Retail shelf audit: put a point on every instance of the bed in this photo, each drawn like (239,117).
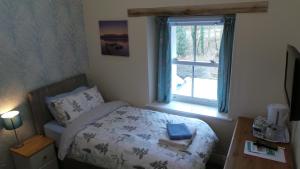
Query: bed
(117,135)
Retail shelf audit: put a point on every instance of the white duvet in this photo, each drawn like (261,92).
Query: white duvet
(118,136)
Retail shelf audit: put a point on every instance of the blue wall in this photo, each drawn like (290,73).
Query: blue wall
(41,41)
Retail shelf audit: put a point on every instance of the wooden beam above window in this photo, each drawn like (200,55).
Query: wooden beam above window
(203,10)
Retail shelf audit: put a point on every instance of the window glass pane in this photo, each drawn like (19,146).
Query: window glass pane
(182,79)
(183,45)
(206,82)
(195,43)
(208,43)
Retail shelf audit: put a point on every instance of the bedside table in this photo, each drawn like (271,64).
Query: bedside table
(37,153)
(236,159)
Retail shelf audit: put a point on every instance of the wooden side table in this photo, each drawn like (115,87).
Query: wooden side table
(37,153)
(236,159)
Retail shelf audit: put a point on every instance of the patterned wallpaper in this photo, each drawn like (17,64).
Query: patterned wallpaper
(41,41)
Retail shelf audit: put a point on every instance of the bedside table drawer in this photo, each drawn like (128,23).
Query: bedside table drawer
(43,157)
(50,165)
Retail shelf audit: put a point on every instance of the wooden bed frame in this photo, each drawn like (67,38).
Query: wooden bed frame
(41,114)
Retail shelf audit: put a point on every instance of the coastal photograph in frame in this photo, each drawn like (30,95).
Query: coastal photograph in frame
(114,38)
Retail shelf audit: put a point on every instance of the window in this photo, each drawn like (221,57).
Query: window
(195,44)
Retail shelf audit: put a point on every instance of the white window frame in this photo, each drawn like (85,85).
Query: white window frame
(190,21)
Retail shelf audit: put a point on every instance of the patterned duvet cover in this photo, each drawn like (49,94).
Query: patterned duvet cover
(127,138)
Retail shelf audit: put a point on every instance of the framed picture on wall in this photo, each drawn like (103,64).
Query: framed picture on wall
(114,38)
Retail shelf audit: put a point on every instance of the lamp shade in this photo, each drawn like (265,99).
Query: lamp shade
(12,120)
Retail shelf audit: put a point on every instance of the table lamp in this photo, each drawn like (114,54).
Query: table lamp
(12,120)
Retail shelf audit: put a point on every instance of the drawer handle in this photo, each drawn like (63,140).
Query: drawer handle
(45,158)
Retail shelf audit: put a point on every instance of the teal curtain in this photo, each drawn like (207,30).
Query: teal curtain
(164,60)
(225,57)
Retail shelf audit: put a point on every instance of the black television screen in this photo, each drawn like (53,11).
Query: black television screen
(292,80)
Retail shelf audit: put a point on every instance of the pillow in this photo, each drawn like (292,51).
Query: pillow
(93,97)
(52,98)
(70,107)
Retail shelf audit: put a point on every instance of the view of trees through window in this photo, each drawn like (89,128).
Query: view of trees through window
(195,71)
(204,41)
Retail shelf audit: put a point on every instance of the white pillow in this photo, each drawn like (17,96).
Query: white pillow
(93,97)
(71,107)
(49,99)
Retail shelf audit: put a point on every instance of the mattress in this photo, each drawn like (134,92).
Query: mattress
(54,130)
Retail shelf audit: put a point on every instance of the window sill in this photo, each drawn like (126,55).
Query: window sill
(189,110)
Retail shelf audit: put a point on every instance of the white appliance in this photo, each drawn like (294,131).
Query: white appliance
(274,128)
(278,114)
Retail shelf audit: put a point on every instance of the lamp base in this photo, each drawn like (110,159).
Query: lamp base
(18,146)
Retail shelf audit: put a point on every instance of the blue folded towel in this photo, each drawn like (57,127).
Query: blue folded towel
(178,131)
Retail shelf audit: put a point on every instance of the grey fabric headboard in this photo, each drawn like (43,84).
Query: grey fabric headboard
(40,112)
